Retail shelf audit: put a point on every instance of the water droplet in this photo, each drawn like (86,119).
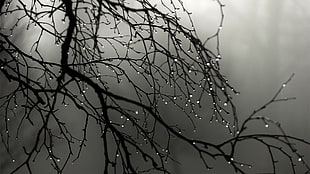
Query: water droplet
(194,142)
(137,112)
(1,67)
(58,160)
(123,126)
(13,160)
(283,85)
(225,104)
(266,125)
(299,159)
(198,102)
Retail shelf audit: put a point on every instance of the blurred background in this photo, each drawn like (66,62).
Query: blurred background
(262,43)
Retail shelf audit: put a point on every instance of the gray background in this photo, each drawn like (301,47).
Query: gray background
(262,42)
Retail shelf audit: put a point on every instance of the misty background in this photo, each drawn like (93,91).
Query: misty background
(262,43)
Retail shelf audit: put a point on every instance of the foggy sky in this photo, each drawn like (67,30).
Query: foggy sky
(262,42)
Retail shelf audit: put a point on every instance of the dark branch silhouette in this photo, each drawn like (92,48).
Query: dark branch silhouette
(151,49)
